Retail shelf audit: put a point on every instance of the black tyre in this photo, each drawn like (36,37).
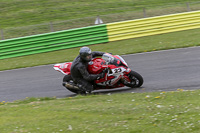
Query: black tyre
(68,78)
(136,79)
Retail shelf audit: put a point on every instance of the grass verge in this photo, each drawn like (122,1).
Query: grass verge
(20,13)
(152,112)
(173,40)
(24,18)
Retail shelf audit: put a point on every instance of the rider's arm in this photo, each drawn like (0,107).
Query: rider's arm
(86,75)
(97,53)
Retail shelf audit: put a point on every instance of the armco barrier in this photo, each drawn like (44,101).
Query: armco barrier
(154,25)
(53,41)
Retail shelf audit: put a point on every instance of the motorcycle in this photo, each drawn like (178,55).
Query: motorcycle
(118,74)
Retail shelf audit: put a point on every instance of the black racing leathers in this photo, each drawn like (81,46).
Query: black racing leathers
(80,73)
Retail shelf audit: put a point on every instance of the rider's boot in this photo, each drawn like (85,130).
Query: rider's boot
(86,90)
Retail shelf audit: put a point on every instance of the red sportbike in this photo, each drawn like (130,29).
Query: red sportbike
(118,74)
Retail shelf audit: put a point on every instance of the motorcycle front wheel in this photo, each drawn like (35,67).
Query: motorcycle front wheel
(136,79)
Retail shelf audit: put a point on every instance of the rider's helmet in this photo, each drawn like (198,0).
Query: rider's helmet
(85,54)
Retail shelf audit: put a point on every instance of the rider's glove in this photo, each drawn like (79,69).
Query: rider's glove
(105,70)
(102,75)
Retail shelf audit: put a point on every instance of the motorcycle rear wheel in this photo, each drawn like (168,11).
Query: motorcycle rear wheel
(136,79)
(68,78)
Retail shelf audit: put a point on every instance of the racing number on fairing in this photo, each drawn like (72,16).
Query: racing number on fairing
(117,70)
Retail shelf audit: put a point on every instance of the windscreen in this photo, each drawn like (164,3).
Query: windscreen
(108,58)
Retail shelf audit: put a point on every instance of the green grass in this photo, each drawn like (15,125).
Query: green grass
(30,17)
(144,44)
(16,13)
(153,112)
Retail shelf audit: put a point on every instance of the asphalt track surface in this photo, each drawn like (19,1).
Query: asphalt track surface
(166,70)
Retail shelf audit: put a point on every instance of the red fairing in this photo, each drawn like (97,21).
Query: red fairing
(117,73)
(96,66)
(64,67)
(119,60)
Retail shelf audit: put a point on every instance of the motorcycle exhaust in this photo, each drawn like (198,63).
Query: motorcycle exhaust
(70,86)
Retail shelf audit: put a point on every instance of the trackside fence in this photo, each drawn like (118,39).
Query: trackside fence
(53,41)
(154,25)
(98,34)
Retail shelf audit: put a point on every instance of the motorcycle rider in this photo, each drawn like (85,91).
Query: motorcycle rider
(79,70)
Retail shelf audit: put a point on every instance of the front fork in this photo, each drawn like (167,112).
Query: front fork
(126,79)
